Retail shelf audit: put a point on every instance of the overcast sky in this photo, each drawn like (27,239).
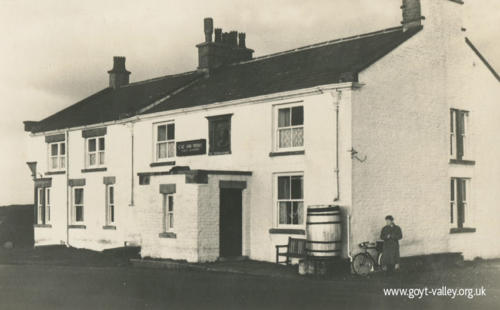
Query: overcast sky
(54,53)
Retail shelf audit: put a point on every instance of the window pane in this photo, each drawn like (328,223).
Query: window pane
(92,159)
(297,116)
(111,213)
(62,161)
(297,213)
(162,133)
(284,187)
(162,150)
(285,139)
(221,135)
(91,145)
(284,208)
(170,203)
(53,149)
(101,144)
(170,131)
(47,196)
(53,161)
(461,122)
(452,190)
(62,148)
(78,196)
(101,158)
(283,117)
(452,206)
(111,195)
(79,213)
(297,137)
(463,185)
(171,149)
(452,121)
(297,190)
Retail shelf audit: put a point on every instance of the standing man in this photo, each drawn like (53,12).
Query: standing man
(391,234)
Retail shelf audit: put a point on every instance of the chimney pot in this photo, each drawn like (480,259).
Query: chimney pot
(233,38)
(218,35)
(119,75)
(412,14)
(209,29)
(242,43)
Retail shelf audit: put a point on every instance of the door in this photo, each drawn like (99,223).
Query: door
(230,230)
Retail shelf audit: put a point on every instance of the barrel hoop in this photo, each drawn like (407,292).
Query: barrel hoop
(323,209)
(336,222)
(322,214)
(323,242)
(323,251)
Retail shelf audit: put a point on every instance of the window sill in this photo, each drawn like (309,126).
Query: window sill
(462,230)
(287,231)
(219,153)
(288,153)
(55,172)
(167,235)
(162,163)
(462,162)
(109,227)
(42,226)
(76,226)
(94,170)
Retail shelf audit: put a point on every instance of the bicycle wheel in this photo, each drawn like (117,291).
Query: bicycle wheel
(363,264)
(379,261)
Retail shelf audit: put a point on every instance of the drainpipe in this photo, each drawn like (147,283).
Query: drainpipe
(336,101)
(349,237)
(67,189)
(132,165)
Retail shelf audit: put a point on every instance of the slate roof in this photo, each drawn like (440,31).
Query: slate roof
(324,63)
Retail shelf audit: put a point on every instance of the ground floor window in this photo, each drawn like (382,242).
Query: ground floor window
(78,205)
(290,199)
(43,205)
(110,204)
(460,214)
(168,213)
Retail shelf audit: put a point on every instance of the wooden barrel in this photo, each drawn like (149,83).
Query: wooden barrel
(324,228)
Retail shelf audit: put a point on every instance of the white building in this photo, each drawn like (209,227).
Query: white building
(224,160)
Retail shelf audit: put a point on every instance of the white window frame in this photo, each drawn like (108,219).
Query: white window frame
(41,203)
(468,212)
(60,159)
(98,152)
(276,129)
(168,223)
(277,201)
(156,143)
(74,205)
(454,133)
(110,205)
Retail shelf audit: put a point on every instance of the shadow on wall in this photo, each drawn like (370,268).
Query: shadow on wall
(16,225)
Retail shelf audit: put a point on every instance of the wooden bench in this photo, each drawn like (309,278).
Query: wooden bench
(296,248)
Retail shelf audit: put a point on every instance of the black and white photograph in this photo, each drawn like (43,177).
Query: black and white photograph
(250,154)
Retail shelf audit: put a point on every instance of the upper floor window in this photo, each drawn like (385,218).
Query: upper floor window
(459,134)
(95,151)
(289,131)
(57,156)
(290,199)
(78,205)
(168,213)
(219,134)
(460,207)
(165,141)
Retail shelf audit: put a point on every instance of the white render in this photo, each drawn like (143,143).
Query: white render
(396,116)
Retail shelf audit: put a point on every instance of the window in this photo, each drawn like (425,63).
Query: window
(219,132)
(95,152)
(460,214)
(290,199)
(168,213)
(165,141)
(110,204)
(57,156)
(78,205)
(43,208)
(290,128)
(459,141)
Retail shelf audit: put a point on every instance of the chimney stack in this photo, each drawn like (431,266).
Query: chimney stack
(225,48)
(412,14)
(118,76)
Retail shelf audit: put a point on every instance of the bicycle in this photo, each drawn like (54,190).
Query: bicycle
(364,263)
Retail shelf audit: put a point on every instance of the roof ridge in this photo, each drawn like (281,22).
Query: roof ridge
(159,78)
(320,44)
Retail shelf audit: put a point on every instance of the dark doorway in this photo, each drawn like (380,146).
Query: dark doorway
(230,230)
